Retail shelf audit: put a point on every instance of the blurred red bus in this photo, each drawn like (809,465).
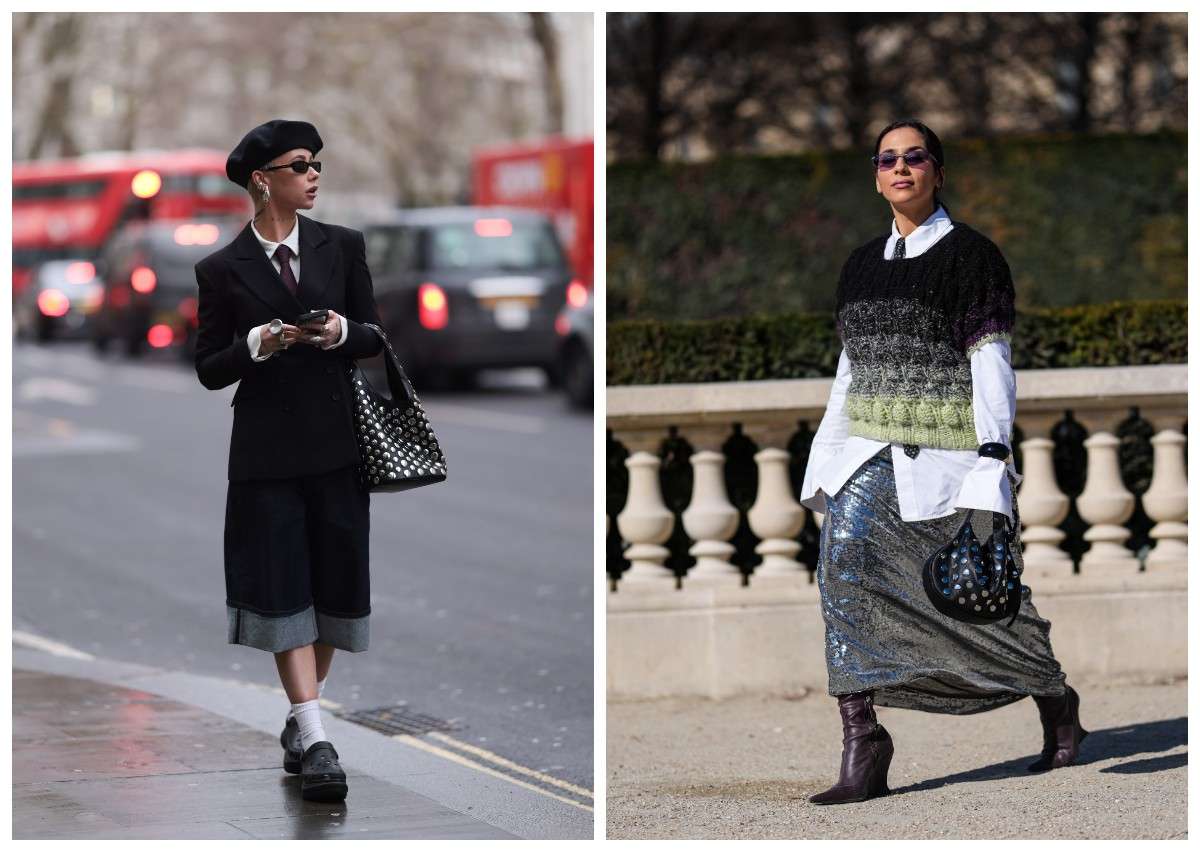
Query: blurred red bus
(554,175)
(68,209)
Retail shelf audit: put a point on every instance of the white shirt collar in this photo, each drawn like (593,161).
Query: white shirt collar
(923,238)
(292,240)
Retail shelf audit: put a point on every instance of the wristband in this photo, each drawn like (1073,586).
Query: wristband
(994,450)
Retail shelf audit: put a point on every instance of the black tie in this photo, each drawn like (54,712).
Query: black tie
(898,254)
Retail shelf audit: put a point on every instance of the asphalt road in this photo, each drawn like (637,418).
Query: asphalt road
(482,586)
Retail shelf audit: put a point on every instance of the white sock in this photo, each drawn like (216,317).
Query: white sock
(320,689)
(308,716)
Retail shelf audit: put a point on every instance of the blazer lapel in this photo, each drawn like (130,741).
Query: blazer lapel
(316,265)
(255,270)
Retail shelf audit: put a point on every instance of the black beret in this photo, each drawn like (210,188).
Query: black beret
(266,142)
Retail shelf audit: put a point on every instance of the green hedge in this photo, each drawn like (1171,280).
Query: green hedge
(793,346)
(1081,220)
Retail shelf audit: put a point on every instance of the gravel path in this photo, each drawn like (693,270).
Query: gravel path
(743,769)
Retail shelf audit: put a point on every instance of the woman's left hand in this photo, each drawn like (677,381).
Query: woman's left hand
(325,333)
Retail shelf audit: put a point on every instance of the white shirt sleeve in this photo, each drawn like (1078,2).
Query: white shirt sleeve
(994,386)
(254,342)
(830,438)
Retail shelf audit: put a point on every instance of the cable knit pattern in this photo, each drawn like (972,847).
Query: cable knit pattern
(910,327)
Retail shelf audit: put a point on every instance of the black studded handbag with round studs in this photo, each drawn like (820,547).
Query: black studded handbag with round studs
(398,448)
(973,581)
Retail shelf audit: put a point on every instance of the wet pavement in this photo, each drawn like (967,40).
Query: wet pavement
(137,753)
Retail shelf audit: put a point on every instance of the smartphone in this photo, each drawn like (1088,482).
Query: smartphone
(312,316)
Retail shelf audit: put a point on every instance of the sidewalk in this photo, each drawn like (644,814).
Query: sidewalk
(109,750)
(743,769)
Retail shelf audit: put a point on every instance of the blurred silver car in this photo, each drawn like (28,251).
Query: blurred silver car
(576,345)
(61,301)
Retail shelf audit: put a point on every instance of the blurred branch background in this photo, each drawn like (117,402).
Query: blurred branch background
(400,99)
(698,85)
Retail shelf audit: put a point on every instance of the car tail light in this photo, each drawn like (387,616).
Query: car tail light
(146,184)
(577,294)
(53,303)
(196,235)
(160,336)
(561,325)
(80,272)
(432,310)
(143,279)
(493,227)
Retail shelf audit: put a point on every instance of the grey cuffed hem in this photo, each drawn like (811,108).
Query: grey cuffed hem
(283,633)
(345,634)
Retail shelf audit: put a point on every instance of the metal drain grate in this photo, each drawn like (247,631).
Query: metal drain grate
(397,720)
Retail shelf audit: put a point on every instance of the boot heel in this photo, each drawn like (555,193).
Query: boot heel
(877,782)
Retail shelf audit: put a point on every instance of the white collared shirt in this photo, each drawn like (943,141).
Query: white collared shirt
(937,482)
(292,241)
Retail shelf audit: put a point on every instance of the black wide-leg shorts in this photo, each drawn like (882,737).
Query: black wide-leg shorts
(297,562)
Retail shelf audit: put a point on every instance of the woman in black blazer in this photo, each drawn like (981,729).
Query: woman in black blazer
(296,523)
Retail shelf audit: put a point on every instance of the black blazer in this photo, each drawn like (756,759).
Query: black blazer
(293,413)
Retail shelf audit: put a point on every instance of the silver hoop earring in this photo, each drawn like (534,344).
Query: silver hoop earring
(266,192)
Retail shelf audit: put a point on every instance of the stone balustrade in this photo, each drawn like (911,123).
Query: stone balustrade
(1095,401)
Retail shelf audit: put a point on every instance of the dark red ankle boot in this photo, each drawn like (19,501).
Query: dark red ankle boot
(866,754)
(1061,731)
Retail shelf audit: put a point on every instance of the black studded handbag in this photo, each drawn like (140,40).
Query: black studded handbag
(398,448)
(974,581)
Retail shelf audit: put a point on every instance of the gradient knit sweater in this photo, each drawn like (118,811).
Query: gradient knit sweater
(909,327)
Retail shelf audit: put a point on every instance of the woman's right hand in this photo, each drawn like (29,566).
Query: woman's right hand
(269,344)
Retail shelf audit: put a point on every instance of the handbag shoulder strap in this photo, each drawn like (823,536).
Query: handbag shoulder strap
(398,383)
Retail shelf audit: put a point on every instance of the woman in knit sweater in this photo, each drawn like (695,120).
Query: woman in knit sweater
(918,427)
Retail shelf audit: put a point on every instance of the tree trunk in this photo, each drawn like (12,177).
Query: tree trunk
(547,40)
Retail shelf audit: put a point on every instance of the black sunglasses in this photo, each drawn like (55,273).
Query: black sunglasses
(883,162)
(300,167)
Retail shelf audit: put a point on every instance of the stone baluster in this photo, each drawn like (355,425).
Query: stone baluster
(1106,504)
(645,522)
(1165,501)
(1043,506)
(710,520)
(775,517)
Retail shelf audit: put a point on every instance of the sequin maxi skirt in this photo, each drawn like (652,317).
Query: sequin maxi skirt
(883,634)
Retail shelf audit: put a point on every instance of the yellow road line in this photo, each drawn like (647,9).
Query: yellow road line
(409,739)
(500,761)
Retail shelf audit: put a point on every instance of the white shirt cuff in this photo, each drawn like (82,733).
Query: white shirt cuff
(254,342)
(986,487)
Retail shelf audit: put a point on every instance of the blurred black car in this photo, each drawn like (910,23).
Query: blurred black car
(150,293)
(60,302)
(576,348)
(462,289)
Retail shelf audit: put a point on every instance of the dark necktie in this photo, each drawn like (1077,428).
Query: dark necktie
(285,268)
